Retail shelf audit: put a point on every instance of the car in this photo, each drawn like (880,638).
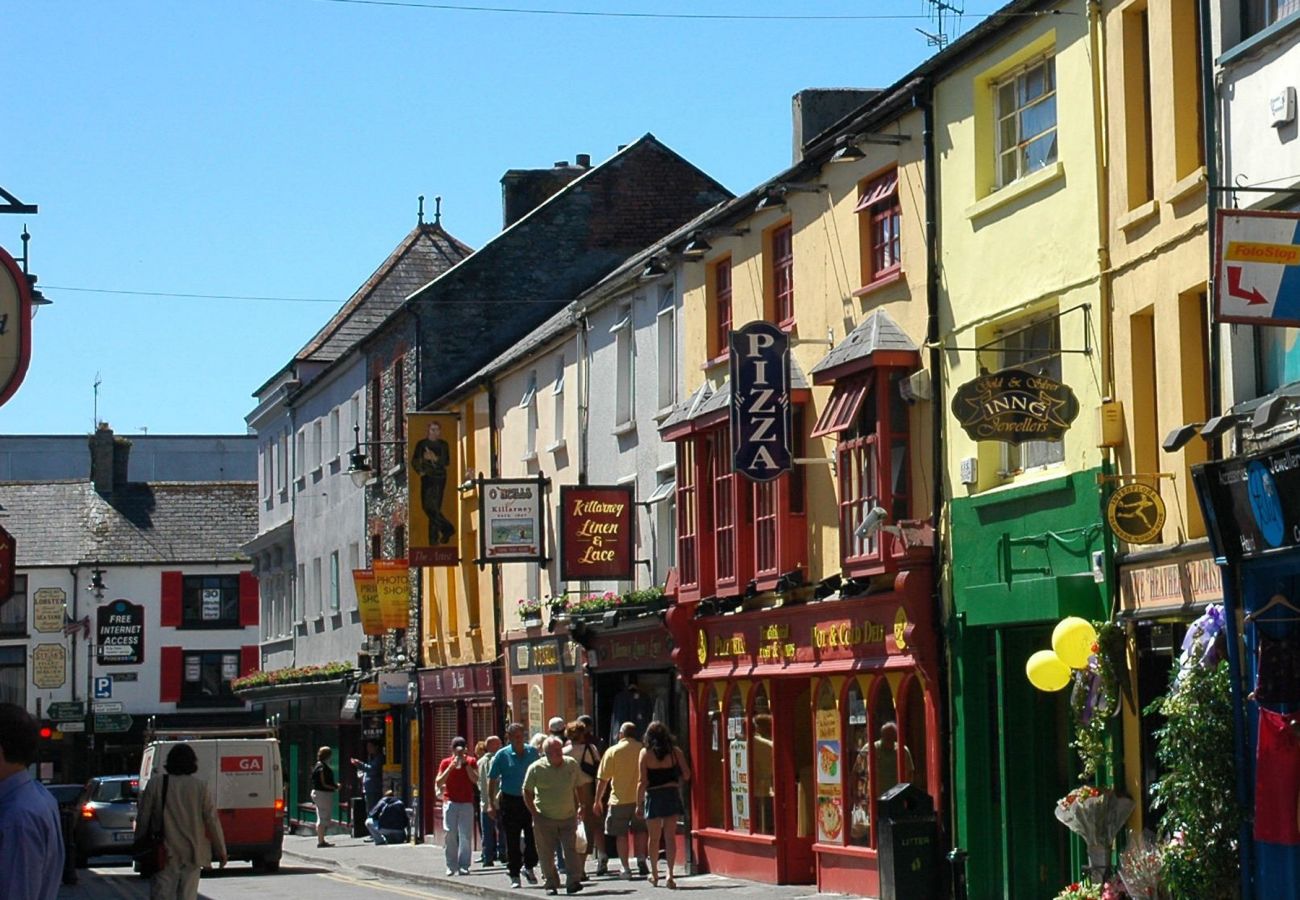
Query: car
(65,794)
(105,814)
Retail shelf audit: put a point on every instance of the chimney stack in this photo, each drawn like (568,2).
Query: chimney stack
(109,460)
(523,190)
(815,109)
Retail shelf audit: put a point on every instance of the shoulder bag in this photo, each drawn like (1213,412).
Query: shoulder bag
(149,851)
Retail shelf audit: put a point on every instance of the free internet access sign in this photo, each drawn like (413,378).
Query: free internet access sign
(1257,271)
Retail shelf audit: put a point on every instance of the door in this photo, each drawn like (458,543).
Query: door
(796,780)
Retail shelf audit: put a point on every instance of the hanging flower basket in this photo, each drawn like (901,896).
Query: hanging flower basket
(530,611)
(1096,816)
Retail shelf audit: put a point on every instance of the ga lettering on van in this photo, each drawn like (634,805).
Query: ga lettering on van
(238,764)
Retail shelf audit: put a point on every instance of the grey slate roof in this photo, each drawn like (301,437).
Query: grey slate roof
(876,332)
(707,400)
(59,523)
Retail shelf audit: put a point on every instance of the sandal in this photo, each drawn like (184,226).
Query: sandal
(672,885)
(654,878)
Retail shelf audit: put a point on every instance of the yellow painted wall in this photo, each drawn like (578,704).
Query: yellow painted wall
(827,272)
(1028,247)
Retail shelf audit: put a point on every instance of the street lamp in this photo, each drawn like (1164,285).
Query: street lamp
(359,469)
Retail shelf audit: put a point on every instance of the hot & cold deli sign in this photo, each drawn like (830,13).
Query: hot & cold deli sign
(596,524)
(760,401)
(1015,406)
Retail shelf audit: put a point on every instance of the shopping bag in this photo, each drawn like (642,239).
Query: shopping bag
(580,839)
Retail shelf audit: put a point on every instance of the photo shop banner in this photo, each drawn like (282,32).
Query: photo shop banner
(433,448)
(596,526)
(372,621)
(393,584)
(511,528)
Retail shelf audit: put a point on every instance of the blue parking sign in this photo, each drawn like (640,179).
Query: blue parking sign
(104,687)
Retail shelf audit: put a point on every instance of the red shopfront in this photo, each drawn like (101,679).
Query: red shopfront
(455,701)
(791,712)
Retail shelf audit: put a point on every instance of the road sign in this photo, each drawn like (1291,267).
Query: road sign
(66,711)
(106,706)
(1257,263)
(70,727)
(113,722)
(103,687)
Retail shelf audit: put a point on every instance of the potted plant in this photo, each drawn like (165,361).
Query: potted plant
(530,611)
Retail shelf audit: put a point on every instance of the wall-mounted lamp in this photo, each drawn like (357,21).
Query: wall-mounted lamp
(358,466)
(697,244)
(1178,438)
(1268,412)
(97,586)
(1219,426)
(850,152)
(654,267)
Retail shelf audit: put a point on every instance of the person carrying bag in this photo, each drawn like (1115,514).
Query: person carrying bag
(149,851)
(180,809)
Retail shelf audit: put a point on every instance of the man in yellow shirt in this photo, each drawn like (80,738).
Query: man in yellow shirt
(618,773)
(551,792)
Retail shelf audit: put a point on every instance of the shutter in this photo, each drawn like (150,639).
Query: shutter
(250,659)
(171,671)
(249,605)
(173,586)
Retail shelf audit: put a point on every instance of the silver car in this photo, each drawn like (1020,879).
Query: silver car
(105,817)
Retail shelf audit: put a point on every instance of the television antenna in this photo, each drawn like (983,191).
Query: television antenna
(938,11)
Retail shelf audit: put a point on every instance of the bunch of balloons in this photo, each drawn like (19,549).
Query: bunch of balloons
(1073,642)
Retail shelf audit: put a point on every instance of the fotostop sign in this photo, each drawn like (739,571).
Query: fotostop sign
(760,401)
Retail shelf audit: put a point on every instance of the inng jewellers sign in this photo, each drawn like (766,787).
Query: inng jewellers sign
(1015,406)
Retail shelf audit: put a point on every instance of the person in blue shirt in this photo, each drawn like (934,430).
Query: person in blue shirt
(372,773)
(506,803)
(31,837)
(387,822)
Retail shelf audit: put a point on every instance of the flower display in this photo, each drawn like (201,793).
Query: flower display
(1081,890)
(298,675)
(529,608)
(1096,816)
(1140,868)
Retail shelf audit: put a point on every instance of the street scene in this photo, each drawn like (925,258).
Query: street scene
(889,499)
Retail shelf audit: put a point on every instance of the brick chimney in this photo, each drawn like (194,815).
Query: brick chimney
(109,459)
(523,190)
(815,109)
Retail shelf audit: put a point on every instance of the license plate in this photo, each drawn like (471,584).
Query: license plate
(124,836)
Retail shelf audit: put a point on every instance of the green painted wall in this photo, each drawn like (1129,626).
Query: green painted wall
(1021,560)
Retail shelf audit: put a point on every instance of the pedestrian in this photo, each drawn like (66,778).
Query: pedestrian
(556,727)
(457,776)
(494,847)
(506,792)
(31,834)
(582,749)
(551,792)
(323,789)
(192,834)
(620,769)
(663,768)
(604,845)
(372,773)
(387,821)
(536,741)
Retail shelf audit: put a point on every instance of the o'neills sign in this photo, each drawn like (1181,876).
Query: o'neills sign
(596,527)
(1015,406)
(760,401)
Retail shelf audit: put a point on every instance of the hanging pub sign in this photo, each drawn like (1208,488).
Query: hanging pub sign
(510,526)
(8,562)
(119,633)
(596,533)
(372,620)
(1257,258)
(760,401)
(393,586)
(1136,513)
(1015,406)
(15,326)
(1251,503)
(433,444)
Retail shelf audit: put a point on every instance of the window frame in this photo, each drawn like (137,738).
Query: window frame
(666,346)
(1015,78)
(192,588)
(1013,455)
(720,307)
(880,216)
(19,601)
(625,371)
(1259,15)
(224,697)
(780,247)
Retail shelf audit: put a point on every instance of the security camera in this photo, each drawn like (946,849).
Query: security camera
(871,523)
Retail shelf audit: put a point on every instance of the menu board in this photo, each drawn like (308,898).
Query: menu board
(739,755)
(830,777)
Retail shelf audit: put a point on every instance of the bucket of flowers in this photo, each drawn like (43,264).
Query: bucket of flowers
(1096,816)
(1082,890)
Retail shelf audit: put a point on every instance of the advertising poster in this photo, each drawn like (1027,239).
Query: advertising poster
(596,523)
(393,584)
(372,622)
(119,633)
(830,771)
(49,666)
(433,448)
(510,520)
(739,755)
(48,609)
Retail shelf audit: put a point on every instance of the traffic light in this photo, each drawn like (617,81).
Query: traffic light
(47,730)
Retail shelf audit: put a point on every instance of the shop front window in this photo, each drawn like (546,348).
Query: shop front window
(891,759)
(738,760)
(715,751)
(858,734)
(761,762)
(829,762)
(914,733)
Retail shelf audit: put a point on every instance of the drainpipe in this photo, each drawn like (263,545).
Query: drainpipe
(583,365)
(924,99)
(73,570)
(1209,115)
(498,617)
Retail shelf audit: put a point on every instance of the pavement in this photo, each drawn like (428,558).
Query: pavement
(424,864)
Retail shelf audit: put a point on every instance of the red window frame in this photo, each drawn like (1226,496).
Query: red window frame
(725,518)
(721,307)
(688,565)
(783,274)
(882,215)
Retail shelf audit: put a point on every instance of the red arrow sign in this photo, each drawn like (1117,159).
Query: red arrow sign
(1252,297)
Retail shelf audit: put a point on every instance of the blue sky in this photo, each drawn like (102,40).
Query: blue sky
(275,148)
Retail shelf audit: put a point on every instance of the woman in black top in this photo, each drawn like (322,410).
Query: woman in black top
(658,795)
(323,789)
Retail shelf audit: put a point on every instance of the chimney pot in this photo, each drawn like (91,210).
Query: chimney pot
(583,160)
(561,164)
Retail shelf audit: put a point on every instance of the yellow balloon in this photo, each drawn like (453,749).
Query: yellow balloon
(1046,671)
(1072,639)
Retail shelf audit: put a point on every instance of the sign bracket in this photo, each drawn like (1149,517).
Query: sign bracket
(988,346)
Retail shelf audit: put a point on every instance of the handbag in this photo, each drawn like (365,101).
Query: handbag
(588,768)
(148,851)
(580,839)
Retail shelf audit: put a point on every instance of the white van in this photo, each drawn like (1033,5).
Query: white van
(242,766)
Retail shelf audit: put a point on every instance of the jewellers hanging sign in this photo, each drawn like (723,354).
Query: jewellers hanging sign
(510,525)
(1015,406)
(596,524)
(760,401)
(15,326)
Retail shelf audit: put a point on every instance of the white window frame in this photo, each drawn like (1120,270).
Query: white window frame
(300,457)
(1017,81)
(529,405)
(317,588)
(335,428)
(666,333)
(1021,345)
(557,412)
(335,585)
(317,443)
(268,469)
(282,467)
(300,594)
(625,376)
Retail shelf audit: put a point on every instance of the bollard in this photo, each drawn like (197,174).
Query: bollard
(957,862)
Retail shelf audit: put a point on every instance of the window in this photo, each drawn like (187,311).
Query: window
(1259,14)
(723,482)
(761,763)
(282,468)
(711,777)
(300,458)
(625,385)
(300,593)
(268,470)
(317,598)
(664,503)
(738,767)
(334,447)
(529,405)
(13,612)
(557,414)
(1137,105)
(1036,347)
(13,675)
(720,284)
(399,403)
(210,601)
(783,274)
(207,677)
(666,332)
(880,213)
(1189,123)
(317,443)
(334,581)
(687,515)
(1026,121)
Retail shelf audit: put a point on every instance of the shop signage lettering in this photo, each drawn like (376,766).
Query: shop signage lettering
(393,585)
(1136,513)
(596,524)
(119,628)
(730,646)
(372,621)
(1014,406)
(455,681)
(760,401)
(1193,581)
(510,520)
(49,666)
(541,657)
(634,650)
(48,609)
(1251,503)
(846,634)
(807,640)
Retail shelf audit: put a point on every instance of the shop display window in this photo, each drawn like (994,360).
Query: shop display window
(738,769)
(715,750)
(829,762)
(914,734)
(857,733)
(761,763)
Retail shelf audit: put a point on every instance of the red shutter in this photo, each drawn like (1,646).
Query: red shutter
(171,672)
(250,659)
(173,586)
(249,604)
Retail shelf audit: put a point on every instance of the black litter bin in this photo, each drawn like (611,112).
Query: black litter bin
(909,844)
(359,817)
